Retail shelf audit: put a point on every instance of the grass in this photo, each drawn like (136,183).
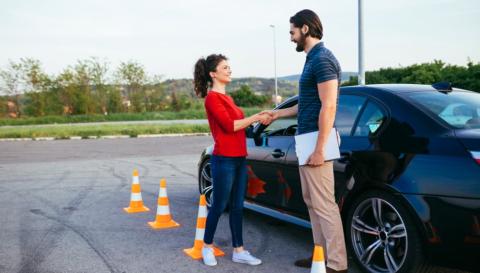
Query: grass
(164,115)
(64,132)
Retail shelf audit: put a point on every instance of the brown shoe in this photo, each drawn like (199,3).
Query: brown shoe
(306,263)
(329,270)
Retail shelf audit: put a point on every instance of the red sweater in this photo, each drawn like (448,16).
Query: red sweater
(221,112)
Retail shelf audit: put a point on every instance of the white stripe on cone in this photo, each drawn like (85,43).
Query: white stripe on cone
(163,210)
(136,196)
(202,212)
(199,234)
(135,180)
(318,267)
(163,192)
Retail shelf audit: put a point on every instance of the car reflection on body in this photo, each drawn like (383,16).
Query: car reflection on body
(407,183)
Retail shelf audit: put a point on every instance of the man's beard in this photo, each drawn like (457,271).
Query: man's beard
(301,43)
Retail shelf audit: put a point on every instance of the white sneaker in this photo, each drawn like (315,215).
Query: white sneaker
(245,257)
(208,256)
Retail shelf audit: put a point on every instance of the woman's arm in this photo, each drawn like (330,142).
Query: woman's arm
(240,124)
(218,112)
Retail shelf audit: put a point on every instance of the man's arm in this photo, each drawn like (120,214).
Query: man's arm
(328,92)
(280,113)
(240,124)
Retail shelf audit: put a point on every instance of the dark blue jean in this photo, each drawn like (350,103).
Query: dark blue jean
(229,176)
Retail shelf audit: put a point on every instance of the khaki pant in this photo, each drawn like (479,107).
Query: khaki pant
(318,194)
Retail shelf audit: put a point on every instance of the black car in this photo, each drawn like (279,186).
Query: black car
(407,182)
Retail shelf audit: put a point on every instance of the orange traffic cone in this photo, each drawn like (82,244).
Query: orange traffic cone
(196,251)
(318,261)
(163,218)
(136,202)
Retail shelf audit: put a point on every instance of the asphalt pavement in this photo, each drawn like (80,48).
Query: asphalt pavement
(61,210)
(133,122)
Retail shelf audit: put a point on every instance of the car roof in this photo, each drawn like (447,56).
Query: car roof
(397,89)
(393,88)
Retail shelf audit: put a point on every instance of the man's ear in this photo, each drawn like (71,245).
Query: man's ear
(304,29)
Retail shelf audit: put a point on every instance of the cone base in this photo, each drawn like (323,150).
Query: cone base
(135,210)
(161,225)
(318,267)
(196,253)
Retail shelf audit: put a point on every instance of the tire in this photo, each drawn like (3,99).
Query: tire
(389,243)
(205,181)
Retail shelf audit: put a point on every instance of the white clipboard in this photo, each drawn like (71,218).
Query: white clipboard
(305,145)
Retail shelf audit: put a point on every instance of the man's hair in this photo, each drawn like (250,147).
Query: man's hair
(309,18)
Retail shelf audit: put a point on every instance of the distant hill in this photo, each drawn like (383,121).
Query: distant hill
(264,86)
(287,85)
(293,78)
(345,77)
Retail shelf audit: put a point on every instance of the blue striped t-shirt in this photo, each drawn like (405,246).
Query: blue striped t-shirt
(320,66)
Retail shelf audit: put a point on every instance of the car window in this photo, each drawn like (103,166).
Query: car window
(347,111)
(371,120)
(279,126)
(459,109)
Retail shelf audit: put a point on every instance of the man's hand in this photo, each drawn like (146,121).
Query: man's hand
(264,118)
(273,114)
(316,159)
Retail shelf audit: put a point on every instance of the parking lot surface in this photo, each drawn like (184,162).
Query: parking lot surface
(61,210)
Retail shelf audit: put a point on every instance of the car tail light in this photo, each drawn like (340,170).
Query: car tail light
(476,156)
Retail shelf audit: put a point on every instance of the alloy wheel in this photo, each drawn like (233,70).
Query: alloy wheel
(379,236)
(206,186)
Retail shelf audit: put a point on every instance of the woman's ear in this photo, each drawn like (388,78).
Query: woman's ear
(212,74)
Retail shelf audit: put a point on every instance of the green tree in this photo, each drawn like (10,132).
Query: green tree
(65,88)
(3,106)
(36,86)
(426,73)
(180,102)
(53,105)
(115,103)
(245,97)
(98,74)
(84,102)
(132,76)
(11,78)
(175,102)
(83,88)
(155,96)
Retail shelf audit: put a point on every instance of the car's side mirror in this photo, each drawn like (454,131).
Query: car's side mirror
(249,132)
(255,131)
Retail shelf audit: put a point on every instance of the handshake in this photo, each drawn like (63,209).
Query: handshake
(266,117)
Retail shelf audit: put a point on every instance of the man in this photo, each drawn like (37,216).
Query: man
(316,110)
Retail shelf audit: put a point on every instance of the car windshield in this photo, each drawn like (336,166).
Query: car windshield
(458,108)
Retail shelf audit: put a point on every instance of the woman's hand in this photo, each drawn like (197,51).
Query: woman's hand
(240,124)
(272,113)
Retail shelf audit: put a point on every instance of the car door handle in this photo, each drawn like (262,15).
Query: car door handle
(278,153)
(345,157)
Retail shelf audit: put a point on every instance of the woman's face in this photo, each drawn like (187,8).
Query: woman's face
(223,73)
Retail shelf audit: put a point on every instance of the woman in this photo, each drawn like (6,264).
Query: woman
(228,165)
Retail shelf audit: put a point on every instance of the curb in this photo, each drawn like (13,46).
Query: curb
(102,137)
(173,135)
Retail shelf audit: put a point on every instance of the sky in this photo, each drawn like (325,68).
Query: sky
(167,37)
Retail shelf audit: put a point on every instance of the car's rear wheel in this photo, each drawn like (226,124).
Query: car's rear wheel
(382,235)
(205,181)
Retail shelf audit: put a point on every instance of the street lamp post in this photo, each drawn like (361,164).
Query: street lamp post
(275,64)
(361,68)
